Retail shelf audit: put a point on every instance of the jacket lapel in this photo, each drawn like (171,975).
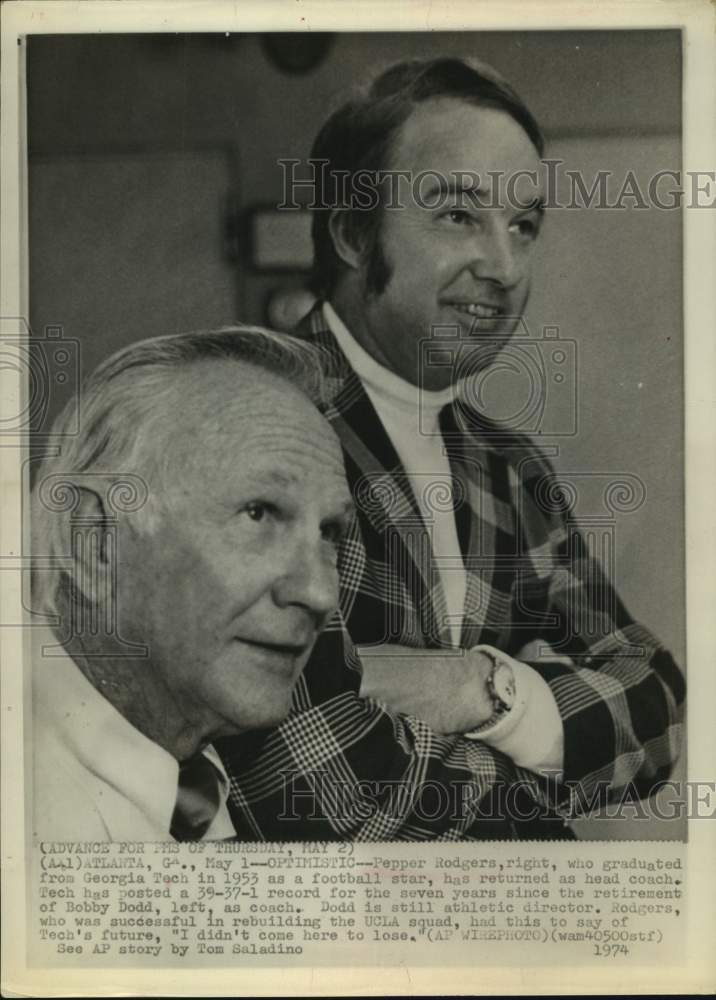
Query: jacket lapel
(486,528)
(397,544)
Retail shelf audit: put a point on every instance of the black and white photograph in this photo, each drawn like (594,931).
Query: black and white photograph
(352,429)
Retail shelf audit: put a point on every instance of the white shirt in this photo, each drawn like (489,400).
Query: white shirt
(531,734)
(97,777)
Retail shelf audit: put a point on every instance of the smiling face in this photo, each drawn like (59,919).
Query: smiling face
(232,587)
(464,263)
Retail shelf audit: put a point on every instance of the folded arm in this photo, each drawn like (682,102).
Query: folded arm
(448,689)
(343,767)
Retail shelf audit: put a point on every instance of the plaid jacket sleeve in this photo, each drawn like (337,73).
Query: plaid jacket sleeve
(342,767)
(618,690)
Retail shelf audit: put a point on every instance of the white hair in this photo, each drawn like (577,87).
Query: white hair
(122,411)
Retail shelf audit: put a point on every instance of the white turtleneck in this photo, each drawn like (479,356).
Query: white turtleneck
(531,733)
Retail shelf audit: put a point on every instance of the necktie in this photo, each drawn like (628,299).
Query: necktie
(198,798)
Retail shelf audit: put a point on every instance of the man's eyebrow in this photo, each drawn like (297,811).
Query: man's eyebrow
(349,510)
(538,205)
(440,186)
(285,480)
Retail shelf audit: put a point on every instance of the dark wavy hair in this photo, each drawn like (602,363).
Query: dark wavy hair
(358,138)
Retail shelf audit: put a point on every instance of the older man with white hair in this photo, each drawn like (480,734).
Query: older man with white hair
(191,616)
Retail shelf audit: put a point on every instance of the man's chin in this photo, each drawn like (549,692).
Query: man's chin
(455,360)
(253,723)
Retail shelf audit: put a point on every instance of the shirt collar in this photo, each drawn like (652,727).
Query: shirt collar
(101,738)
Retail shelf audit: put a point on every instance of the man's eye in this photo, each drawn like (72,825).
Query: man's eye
(257,510)
(527,228)
(459,216)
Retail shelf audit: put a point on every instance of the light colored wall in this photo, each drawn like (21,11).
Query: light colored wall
(611,281)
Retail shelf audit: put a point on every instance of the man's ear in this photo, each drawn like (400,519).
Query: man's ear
(92,550)
(344,241)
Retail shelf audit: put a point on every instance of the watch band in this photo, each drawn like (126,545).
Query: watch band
(501,688)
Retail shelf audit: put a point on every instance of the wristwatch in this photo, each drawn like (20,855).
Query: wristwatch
(500,686)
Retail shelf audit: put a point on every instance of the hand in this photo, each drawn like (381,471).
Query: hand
(447,689)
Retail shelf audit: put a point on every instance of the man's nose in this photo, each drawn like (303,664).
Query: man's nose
(495,258)
(309,580)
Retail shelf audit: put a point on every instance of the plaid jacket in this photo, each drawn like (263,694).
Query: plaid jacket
(343,767)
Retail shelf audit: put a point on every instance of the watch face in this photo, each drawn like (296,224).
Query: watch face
(503,684)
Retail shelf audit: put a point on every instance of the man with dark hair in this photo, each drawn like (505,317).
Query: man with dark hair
(466,587)
(357,141)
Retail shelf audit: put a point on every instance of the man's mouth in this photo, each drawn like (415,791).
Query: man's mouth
(289,650)
(479,310)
